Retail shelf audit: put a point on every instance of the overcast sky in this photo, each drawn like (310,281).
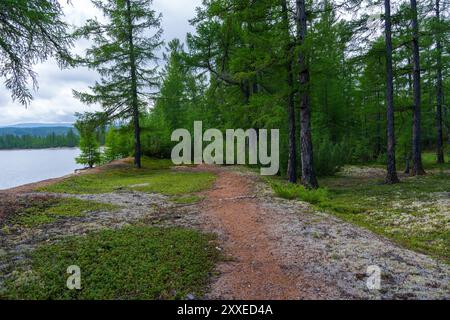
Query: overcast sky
(53,102)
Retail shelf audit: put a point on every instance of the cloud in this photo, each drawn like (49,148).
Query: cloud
(54,102)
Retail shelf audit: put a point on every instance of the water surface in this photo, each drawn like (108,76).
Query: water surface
(18,167)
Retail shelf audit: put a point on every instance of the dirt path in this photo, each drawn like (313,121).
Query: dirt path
(282,249)
(255,271)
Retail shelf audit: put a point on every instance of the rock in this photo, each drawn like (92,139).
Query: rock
(190,296)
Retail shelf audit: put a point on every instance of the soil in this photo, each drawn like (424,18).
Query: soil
(255,271)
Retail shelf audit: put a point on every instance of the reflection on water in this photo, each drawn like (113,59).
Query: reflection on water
(19,167)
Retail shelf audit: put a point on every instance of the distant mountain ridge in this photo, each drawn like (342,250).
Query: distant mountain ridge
(36,129)
(38,125)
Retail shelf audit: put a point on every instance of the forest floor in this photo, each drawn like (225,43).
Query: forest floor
(210,232)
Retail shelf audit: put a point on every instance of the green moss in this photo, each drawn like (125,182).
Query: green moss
(155,176)
(131,263)
(50,210)
(406,213)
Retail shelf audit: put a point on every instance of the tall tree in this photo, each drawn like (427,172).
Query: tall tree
(391,166)
(30,32)
(292,132)
(123,53)
(440,138)
(417,168)
(309,178)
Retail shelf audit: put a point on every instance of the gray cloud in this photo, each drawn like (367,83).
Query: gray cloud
(53,102)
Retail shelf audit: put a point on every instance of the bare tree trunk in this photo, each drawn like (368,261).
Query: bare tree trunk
(292,161)
(309,179)
(440,138)
(391,177)
(417,168)
(134,101)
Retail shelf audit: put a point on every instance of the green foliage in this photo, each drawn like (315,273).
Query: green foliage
(89,146)
(53,140)
(298,192)
(409,212)
(50,210)
(329,157)
(156,135)
(30,32)
(117,145)
(155,176)
(133,263)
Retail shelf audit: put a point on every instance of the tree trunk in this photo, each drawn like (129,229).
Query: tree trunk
(440,138)
(309,179)
(134,101)
(391,177)
(292,161)
(417,168)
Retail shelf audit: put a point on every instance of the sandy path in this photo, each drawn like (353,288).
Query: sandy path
(255,271)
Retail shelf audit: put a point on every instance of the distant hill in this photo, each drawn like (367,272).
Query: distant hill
(36,129)
(38,125)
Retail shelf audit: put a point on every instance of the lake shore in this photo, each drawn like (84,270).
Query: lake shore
(31,187)
(27,166)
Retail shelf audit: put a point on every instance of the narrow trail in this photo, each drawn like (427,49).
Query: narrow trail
(255,271)
(281,249)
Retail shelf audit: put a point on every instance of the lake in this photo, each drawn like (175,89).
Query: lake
(18,167)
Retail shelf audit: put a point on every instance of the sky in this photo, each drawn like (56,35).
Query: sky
(54,102)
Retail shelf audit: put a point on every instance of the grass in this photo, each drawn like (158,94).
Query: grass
(413,213)
(154,177)
(49,210)
(130,263)
(295,191)
(429,161)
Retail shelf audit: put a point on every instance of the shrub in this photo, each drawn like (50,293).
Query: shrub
(89,146)
(329,158)
(295,191)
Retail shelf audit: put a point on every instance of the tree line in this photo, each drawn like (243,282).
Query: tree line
(53,140)
(353,81)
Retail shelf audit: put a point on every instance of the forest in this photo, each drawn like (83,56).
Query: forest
(28,141)
(359,208)
(346,82)
(332,84)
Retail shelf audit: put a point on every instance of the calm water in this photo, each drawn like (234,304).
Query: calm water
(19,167)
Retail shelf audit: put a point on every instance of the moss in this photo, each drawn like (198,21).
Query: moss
(407,213)
(155,176)
(49,211)
(130,263)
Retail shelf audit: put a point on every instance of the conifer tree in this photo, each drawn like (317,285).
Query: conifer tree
(123,52)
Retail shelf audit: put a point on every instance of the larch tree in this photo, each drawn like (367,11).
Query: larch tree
(417,168)
(439,91)
(292,132)
(391,165)
(124,54)
(309,178)
(30,32)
